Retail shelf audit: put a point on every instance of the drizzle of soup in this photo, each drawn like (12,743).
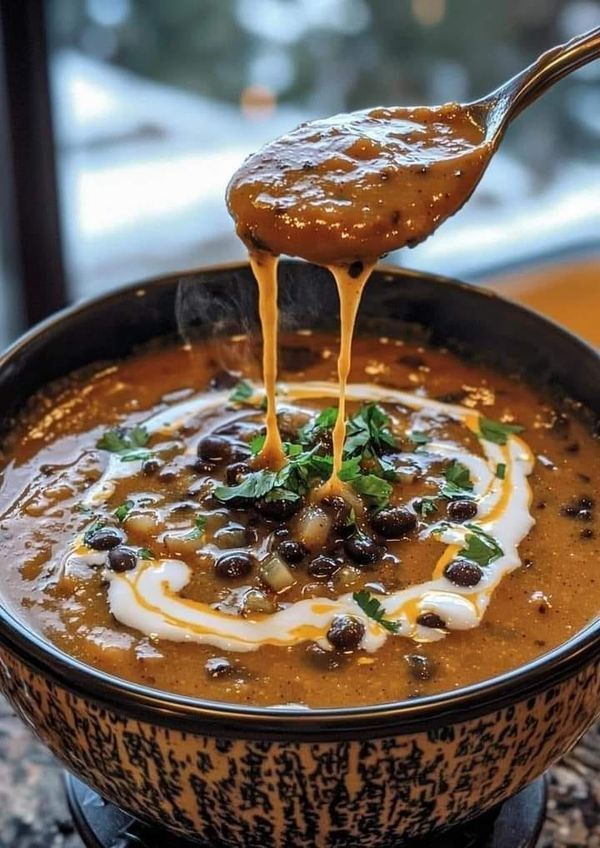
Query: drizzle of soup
(148,452)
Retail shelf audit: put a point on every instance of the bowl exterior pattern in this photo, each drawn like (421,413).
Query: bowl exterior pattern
(263,794)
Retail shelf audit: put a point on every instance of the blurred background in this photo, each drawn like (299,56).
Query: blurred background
(124,119)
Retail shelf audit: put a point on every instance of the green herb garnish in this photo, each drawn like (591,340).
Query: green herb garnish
(199,528)
(501,470)
(480,547)
(457,482)
(145,553)
(371,486)
(123,510)
(497,431)
(325,420)
(417,437)
(256,444)
(242,392)
(128,442)
(369,431)
(373,609)
(427,505)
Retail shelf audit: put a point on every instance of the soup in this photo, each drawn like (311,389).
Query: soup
(144,533)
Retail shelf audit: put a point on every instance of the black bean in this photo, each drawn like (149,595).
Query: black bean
(235,565)
(151,466)
(104,538)
(362,549)
(218,667)
(420,667)
(587,533)
(122,559)
(346,633)
(461,510)
(585,515)
(235,472)
(278,510)
(292,551)
(394,522)
(202,466)
(240,453)
(340,513)
(463,572)
(431,619)
(214,448)
(223,379)
(321,659)
(322,567)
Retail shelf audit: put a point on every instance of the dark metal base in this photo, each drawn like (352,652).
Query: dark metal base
(515,824)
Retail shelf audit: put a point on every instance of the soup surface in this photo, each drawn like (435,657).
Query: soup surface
(144,533)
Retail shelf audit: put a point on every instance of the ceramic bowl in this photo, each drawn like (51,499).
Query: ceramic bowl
(260,778)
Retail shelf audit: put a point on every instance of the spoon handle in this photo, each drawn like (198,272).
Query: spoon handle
(520,91)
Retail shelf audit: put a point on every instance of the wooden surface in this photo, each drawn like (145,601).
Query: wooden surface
(33,812)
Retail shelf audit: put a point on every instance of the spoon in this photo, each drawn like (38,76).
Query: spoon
(495,111)
(353,187)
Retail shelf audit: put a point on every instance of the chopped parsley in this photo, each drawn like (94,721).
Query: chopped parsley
(418,437)
(128,442)
(256,444)
(373,609)
(457,483)
(373,487)
(325,420)
(501,470)
(123,510)
(242,392)
(199,528)
(369,432)
(496,431)
(427,505)
(480,547)
(145,553)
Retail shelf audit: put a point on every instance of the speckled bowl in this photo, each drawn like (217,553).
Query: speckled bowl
(241,776)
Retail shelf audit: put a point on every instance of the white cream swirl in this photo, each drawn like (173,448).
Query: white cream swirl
(148,600)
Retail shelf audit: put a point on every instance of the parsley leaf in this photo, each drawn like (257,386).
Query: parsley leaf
(199,528)
(417,437)
(128,442)
(123,510)
(497,431)
(325,420)
(373,609)
(501,470)
(242,391)
(427,505)
(458,482)
(369,430)
(373,487)
(145,553)
(480,547)
(256,444)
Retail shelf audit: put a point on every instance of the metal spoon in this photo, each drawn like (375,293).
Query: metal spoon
(495,111)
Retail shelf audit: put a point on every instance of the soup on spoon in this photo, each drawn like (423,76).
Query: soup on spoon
(341,192)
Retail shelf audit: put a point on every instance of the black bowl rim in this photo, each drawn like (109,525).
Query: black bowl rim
(291,724)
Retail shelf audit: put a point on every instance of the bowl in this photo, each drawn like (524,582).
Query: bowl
(243,776)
